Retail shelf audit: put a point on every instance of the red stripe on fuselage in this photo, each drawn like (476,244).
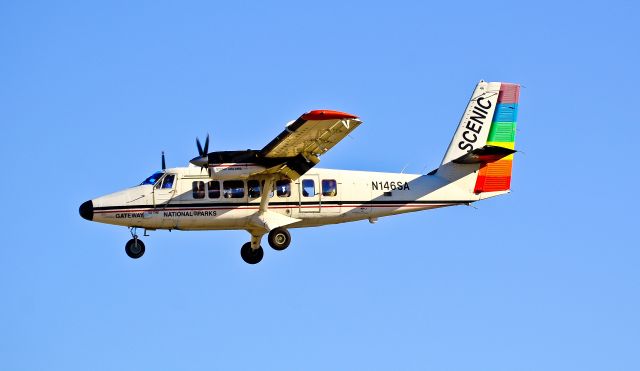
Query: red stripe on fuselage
(258,207)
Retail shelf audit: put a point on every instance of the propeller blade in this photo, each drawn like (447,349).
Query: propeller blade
(202,160)
(200,151)
(164,165)
(206,146)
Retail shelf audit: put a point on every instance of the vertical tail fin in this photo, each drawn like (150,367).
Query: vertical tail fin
(473,128)
(477,159)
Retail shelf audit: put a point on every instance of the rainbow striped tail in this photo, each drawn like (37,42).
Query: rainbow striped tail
(496,175)
(480,156)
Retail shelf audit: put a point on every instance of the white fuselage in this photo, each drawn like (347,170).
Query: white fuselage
(322,196)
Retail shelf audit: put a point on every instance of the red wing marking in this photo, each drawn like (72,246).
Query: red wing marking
(325,114)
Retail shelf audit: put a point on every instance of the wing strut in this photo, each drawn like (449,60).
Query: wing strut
(264,220)
(266,190)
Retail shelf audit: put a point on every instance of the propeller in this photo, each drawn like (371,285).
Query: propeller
(203,152)
(203,159)
(164,165)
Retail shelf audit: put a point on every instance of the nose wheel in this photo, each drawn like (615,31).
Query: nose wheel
(134,248)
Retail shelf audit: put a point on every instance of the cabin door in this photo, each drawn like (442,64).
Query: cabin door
(309,194)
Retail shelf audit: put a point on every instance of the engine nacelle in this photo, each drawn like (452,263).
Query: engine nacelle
(234,170)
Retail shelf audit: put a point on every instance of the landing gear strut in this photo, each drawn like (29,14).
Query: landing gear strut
(134,247)
(279,239)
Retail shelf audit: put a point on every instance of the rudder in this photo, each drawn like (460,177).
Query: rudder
(496,176)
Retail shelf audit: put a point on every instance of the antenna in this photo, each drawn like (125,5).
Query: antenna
(164,165)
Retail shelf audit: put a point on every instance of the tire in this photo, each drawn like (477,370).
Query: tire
(279,239)
(251,256)
(134,248)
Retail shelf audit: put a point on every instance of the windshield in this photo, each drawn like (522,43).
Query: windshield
(153,179)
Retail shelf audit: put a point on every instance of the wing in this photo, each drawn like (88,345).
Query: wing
(307,138)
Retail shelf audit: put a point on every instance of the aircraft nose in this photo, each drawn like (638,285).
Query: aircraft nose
(86,210)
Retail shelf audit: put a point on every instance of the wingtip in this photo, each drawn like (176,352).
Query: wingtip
(325,114)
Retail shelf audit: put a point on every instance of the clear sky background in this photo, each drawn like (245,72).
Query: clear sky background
(546,278)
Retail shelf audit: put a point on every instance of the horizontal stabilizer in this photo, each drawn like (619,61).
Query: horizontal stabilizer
(485,155)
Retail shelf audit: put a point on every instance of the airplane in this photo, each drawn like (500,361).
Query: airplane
(277,188)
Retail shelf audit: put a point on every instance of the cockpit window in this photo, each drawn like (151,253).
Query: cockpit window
(152,179)
(167,181)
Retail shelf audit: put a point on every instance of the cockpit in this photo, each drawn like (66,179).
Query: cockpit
(153,179)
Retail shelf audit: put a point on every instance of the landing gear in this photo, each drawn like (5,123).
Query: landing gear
(279,239)
(250,255)
(252,252)
(134,248)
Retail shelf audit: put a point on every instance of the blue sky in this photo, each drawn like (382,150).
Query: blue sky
(545,278)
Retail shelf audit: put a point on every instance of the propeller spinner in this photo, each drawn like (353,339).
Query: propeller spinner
(202,160)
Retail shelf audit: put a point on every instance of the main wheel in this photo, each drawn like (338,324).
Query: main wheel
(279,239)
(134,248)
(251,256)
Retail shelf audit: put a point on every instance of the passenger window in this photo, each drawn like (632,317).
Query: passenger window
(308,188)
(214,189)
(167,182)
(283,188)
(329,187)
(198,189)
(233,189)
(253,187)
